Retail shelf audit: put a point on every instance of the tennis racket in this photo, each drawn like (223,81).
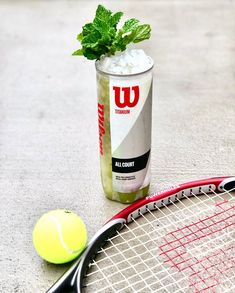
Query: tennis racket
(178,240)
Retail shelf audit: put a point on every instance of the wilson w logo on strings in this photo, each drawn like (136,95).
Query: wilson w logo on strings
(126,96)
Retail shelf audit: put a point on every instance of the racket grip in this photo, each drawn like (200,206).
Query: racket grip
(65,284)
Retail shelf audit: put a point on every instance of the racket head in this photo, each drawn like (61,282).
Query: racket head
(124,274)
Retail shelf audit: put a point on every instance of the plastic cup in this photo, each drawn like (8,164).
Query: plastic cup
(125,119)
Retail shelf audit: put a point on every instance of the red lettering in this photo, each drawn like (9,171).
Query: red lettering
(126,101)
(126,111)
(101,126)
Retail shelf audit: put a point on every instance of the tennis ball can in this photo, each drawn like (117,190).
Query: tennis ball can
(124,86)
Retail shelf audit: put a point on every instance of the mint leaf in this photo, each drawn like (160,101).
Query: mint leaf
(79,52)
(142,32)
(102,13)
(80,37)
(116,18)
(87,28)
(130,25)
(102,36)
(101,26)
(91,40)
(91,54)
(131,32)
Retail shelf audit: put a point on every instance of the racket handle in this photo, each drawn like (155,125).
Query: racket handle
(65,284)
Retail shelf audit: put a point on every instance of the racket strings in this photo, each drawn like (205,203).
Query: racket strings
(120,243)
(130,264)
(141,279)
(185,207)
(146,218)
(201,226)
(152,252)
(157,266)
(123,270)
(192,232)
(141,261)
(182,210)
(110,284)
(133,284)
(197,237)
(163,269)
(221,259)
(116,265)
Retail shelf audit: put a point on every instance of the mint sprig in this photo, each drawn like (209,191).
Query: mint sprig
(102,36)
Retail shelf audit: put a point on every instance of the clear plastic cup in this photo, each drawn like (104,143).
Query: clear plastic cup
(125,118)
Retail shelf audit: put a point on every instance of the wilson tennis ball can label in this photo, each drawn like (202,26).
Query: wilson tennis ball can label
(124,119)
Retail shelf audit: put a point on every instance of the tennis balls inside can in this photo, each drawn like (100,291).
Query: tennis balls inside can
(59,236)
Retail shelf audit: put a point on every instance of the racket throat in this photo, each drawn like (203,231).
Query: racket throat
(101,237)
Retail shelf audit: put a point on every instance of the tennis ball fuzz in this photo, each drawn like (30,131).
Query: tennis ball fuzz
(59,236)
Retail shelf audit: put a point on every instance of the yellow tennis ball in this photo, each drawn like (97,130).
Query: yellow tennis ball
(59,236)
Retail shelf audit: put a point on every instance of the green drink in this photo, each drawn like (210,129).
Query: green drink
(124,115)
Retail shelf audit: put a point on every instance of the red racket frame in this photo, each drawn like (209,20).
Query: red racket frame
(218,182)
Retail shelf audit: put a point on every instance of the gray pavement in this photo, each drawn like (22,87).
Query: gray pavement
(48,121)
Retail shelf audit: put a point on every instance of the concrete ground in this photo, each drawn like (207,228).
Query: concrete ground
(48,121)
